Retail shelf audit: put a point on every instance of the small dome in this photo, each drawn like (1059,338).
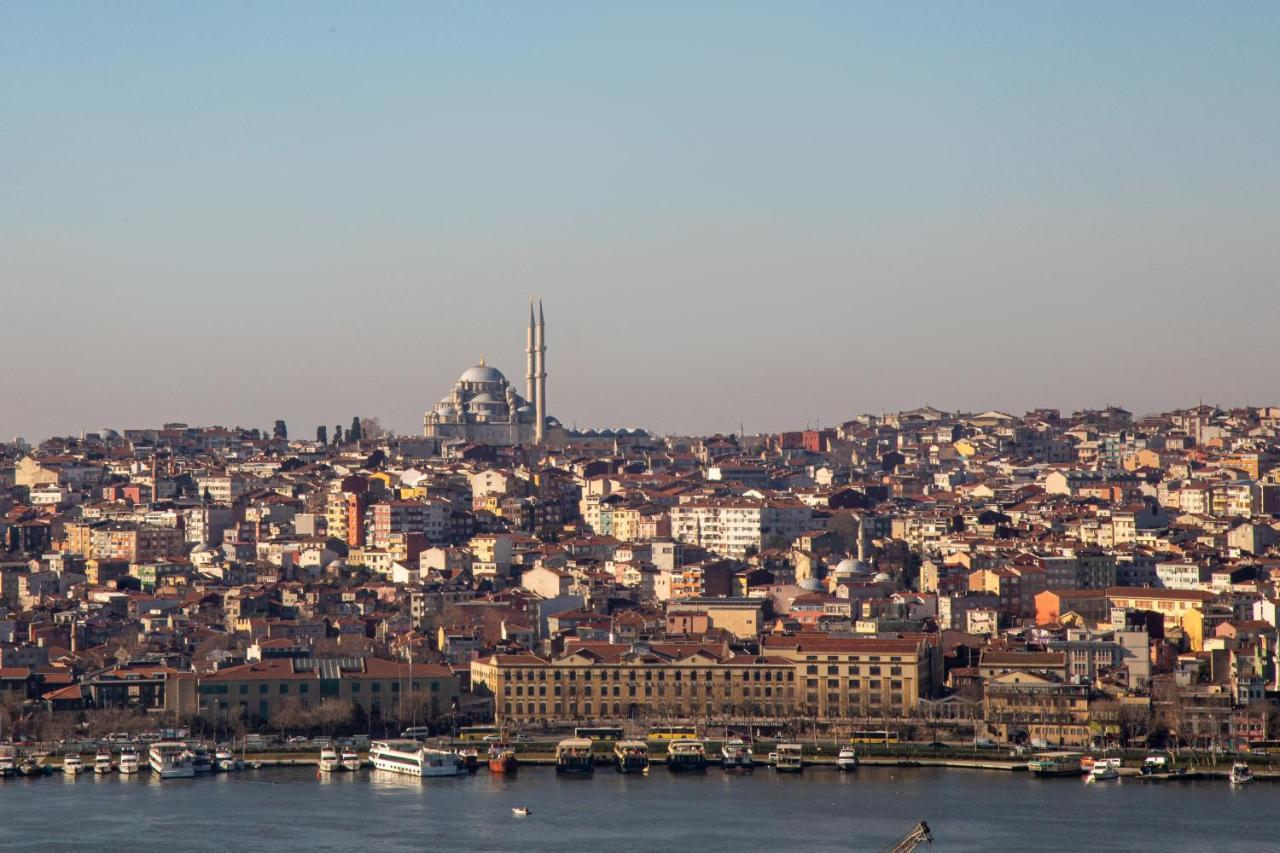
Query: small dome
(482,373)
(485,400)
(883,577)
(850,566)
(810,584)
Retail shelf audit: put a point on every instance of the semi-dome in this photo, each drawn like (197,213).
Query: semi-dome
(482,373)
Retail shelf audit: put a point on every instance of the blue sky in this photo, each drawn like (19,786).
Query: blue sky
(737,213)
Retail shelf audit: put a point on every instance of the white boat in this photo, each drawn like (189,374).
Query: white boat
(790,758)
(413,759)
(1103,769)
(72,764)
(1241,774)
(735,755)
(102,762)
(847,760)
(329,760)
(129,761)
(8,762)
(351,760)
(171,760)
(225,760)
(520,811)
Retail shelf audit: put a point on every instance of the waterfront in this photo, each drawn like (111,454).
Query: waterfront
(821,810)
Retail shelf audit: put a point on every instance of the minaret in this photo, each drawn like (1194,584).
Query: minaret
(540,378)
(528,357)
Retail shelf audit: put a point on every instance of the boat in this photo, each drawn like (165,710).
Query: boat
(171,760)
(686,755)
(1159,766)
(225,760)
(790,758)
(8,762)
(413,759)
(72,764)
(470,759)
(32,767)
(201,760)
(129,761)
(520,811)
(1087,762)
(847,760)
(735,756)
(351,760)
(102,762)
(1103,769)
(502,758)
(1056,764)
(573,755)
(1241,774)
(631,756)
(329,760)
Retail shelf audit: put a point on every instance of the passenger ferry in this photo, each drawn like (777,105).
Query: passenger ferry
(573,755)
(329,760)
(502,758)
(847,760)
(1056,764)
(790,758)
(735,756)
(351,760)
(129,760)
(412,759)
(631,756)
(72,764)
(1103,769)
(102,762)
(1241,774)
(171,760)
(686,755)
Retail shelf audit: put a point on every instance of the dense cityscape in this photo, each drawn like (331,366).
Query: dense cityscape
(1017,582)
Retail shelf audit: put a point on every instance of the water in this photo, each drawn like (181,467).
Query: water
(819,810)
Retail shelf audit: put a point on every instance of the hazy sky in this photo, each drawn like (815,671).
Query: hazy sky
(757,213)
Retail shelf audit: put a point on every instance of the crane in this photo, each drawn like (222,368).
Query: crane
(919,834)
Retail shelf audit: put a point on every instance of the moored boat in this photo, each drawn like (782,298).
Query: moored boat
(201,760)
(225,760)
(631,756)
(351,760)
(502,758)
(686,755)
(1241,774)
(329,760)
(573,755)
(72,764)
(171,760)
(1103,769)
(8,762)
(790,758)
(847,760)
(1056,764)
(129,761)
(413,759)
(736,757)
(102,762)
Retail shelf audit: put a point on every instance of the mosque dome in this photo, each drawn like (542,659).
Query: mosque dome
(810,584)
(850,566)
(883,577)
(482,373)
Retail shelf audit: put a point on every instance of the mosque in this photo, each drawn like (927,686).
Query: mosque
(484,408)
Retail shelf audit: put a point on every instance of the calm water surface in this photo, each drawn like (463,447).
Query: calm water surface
(819,810)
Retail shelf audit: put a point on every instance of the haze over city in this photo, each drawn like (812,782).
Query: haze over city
(735,213)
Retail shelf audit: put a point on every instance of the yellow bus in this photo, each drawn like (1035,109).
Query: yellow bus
(673,733)
(877,736)
(609,733)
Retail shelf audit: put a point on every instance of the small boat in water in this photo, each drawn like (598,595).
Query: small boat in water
(631,756)
(8,762)
(329,760)
(225,760)
(502,758)
(1103,769)
(129,760)
(1241,774)
(351,760)
(520,811)
(102,762)
(847,760)
(201,760)
(72,764)
(736,757)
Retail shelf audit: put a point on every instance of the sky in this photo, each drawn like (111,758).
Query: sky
(738,215)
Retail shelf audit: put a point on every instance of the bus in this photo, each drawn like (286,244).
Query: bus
(673,733)
(609,733)
(1264,747)
(479,733)
(877,736)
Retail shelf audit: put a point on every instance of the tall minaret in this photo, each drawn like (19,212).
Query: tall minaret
(528,357)
(540,378)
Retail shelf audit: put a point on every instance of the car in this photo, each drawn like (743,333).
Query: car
(523,739)
(937,744)
(984,743)
(296,740)
(493,738)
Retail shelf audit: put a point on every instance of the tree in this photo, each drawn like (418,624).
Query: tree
(322,434)
(280,430)
(353,432)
